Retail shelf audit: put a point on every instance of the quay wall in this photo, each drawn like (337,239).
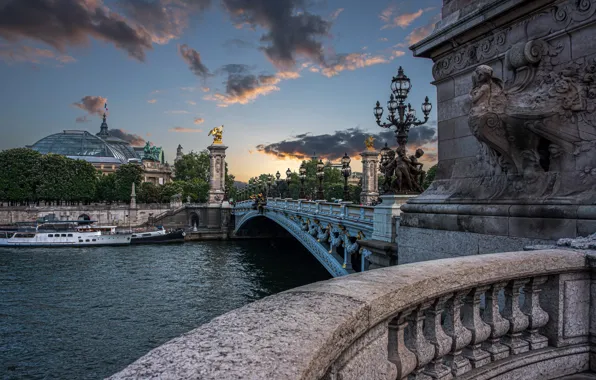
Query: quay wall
(115,214)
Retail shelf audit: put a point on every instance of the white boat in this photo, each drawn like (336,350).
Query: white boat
(63,234)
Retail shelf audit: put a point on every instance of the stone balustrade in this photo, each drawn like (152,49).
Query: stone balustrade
(452,318)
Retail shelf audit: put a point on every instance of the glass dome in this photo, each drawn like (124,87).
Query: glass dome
(84,145)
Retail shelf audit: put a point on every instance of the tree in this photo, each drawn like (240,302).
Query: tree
(106,188)
(148,193)
(193,165)
(196,189)
(125,175)
(430,176)
(19,175)
(168,190)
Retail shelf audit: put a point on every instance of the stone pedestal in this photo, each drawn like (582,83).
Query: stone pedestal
(370,177)
(385,217)
(217,173)
(516,135)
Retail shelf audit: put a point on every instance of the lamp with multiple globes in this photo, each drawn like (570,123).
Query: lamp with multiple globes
(346,171)
(320,175)
(302,176)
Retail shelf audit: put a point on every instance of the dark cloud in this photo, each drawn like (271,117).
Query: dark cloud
(242,86)
(134,140)
(82,119)
(193,59)
(291,30)
(164,19)
(71,22)
(93,105)
(350,141)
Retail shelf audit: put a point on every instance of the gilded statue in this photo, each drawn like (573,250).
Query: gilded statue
(217,133)
(369,143)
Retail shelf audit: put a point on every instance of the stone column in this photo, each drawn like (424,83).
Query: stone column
(217,173)
(370,176)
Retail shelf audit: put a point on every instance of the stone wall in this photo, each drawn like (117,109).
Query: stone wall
(516,128)
(117,214)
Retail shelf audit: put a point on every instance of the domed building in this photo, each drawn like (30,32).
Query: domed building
(106,152)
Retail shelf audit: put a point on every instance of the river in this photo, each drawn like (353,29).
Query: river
(87,313)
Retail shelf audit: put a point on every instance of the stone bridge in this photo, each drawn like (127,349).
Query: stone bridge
(332,232)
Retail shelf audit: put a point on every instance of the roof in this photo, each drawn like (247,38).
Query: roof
(83,145)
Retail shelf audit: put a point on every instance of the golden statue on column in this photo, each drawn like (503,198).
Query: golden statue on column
(217,133)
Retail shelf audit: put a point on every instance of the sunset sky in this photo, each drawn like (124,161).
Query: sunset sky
(285,77)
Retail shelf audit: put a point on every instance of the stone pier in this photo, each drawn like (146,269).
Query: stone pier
(370,176)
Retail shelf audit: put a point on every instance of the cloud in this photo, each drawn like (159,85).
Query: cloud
(288,74)
(422,31)
(291,31)
(193,59)
(239,43)
(18,54)
(155,92)
(383,39)
(403,20)
(71,22)
(336,13)
(185,130)
(163,19)
(177,112)
(350,62)
(205,89)
(191,102)
(82,119)
(134,140)
(189,89)
(350,141)
(397,53)
(199,120)
(152,101)
(93,105)
(242,86)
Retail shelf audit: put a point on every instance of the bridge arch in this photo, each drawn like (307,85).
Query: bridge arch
(194,220)
(308,241)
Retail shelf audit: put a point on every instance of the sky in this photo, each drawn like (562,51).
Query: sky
(286,78)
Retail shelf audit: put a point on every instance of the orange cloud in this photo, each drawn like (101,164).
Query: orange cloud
(397,53)
(185,130)
(336,13)
(199,120)
(205,89)
(178,112)
(422,32)
(191,103)
(152,101)
(350,62)
(288,75)
(16,54)
(93,105)
(403,20)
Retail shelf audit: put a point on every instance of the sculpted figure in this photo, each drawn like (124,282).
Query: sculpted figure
(217,133)
(388,169)
(405,173)
(369,143)
(487,92)
(417,173)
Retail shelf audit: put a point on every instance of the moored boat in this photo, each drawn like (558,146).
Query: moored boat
(62,234)
(159,236)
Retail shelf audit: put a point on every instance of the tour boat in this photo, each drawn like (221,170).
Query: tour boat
(159,236)
(63,234)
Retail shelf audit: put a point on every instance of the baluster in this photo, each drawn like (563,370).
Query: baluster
(437,337)
(417,343)
(537,316)
(518,321)
(399,354)
(361,213)
(480,330)
(499,325)
(460,335)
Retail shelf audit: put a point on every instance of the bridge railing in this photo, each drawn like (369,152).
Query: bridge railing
(331,209)
(421,320)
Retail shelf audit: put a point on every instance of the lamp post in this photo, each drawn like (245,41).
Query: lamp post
(346,171)
(302,176)
(278,182)
(401,116)
(320,176)
(288,181)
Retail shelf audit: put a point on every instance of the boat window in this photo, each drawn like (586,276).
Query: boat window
(2,235)
(50,235)
(86,240)
(146,235)
(134,235)
(23,235)
(93,240)
(63,235)
(69,235)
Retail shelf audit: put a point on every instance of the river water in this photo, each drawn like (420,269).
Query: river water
(87,313)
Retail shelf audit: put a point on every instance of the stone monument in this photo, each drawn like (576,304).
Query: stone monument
(217,167)
(370,176)
(516,91)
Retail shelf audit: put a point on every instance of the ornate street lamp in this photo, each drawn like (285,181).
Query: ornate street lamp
(406,115)
(302,176)
(269,182)
(346,171)
(278,182)
(288,181)
(320,175)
